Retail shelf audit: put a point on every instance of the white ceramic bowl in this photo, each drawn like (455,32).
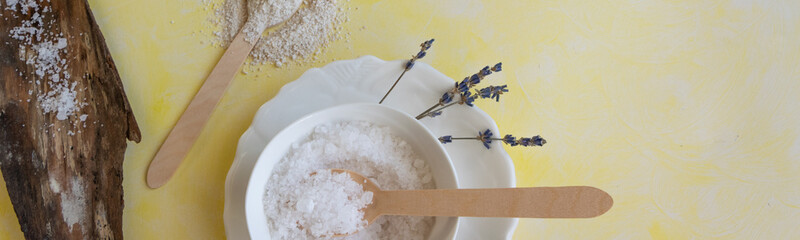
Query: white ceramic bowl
(422,140)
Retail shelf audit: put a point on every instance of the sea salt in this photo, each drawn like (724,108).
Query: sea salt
(361,147)
(59,95)
(325,203)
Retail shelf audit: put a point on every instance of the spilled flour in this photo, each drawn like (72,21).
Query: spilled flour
(303,36)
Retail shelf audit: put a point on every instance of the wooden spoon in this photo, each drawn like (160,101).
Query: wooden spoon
(532,202)
(183,135)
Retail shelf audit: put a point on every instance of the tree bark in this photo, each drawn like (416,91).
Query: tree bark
(64,177)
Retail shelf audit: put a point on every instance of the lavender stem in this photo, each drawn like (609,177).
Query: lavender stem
(393,85)
(423,114)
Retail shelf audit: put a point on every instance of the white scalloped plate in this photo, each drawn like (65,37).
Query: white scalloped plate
(366,79)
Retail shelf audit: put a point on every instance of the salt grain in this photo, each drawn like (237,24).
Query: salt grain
(361,147)
(47,64)
(326,203)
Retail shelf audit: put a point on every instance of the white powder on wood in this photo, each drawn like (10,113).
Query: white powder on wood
(23,5)
(303,35)
(54,185)
(73,204)
(360,147)
(42,50)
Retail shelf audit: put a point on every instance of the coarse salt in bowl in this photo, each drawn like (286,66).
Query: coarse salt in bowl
(422,140)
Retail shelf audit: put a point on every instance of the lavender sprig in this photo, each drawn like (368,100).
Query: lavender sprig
(462,89)
(421,54)
(486,137)
(492,92)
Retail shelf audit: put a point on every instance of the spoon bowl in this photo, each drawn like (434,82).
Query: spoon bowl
(263,14)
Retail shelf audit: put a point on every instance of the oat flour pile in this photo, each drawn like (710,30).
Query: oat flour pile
(304,35)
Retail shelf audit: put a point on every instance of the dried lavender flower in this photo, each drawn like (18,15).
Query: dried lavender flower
(463,88)
(510,140)
(538,140)
(467,98)
(421,54)
(493,92)
(497,67)
(424,46)
(446,98)
(486,138)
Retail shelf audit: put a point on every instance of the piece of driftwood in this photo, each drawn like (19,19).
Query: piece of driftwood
(64,177)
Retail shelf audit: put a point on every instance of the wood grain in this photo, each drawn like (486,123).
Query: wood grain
(190,125)
(532,202)
(53,176)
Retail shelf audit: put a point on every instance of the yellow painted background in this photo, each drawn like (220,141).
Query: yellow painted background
(687,112)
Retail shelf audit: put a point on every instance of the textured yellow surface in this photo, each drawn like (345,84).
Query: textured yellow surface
(688,113)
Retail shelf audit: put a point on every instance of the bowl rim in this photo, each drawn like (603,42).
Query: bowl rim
(250,187)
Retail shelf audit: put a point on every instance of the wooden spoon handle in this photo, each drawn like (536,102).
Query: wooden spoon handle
(536,202)
(189,126)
